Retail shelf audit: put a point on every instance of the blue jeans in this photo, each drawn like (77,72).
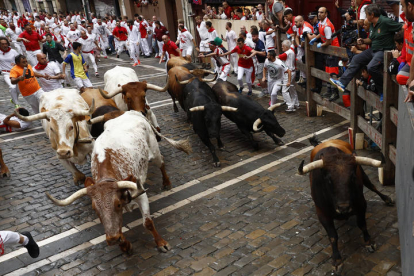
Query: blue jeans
(111,43)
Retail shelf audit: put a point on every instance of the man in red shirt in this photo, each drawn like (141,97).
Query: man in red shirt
(121,34)
(227,9)
(159,32)
(245,64)
(169,48)
(31,41)
(144,36)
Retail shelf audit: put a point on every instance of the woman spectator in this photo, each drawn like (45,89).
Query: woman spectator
(221,14)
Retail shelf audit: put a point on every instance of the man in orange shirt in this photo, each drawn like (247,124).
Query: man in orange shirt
(23,75)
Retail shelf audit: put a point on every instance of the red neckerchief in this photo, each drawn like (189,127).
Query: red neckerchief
(1,247)
(73,30)
(99,23)
(184,30)
(84,38)
(5,24)
(361,5)
(4,52)
(198,25)
(40,66)
(211,30)
(130,27)
(13,28)
(267,29)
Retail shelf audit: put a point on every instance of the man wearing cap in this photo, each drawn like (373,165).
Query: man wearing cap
(223,64)
(245,64)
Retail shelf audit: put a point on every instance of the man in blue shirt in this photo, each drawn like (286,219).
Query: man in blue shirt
(260,53)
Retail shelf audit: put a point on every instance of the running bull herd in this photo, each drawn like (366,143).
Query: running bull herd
(117,128)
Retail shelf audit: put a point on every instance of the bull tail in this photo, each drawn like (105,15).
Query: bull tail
(183,145)
(314,141)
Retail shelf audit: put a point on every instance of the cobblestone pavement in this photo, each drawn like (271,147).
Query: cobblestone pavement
(252,216)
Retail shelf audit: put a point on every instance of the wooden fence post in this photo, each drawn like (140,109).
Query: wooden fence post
(357,108)
(310,80)
(389,130)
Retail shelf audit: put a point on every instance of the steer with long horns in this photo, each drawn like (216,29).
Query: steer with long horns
(337,180)
(255,118)
(123,85)
(63,112)
(119,165)
(204,112)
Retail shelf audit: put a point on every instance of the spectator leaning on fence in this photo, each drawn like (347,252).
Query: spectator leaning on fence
(408,9)
(381,39)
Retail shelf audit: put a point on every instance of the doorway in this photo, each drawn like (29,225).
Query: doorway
(172,20)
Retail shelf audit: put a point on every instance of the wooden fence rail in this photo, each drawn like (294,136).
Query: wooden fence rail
(386,137)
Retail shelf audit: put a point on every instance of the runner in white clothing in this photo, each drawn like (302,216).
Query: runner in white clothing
(301,27)
(37,23)
(7,59)
(231,39)
(186,41)
(25,239)
(52,70)
(289,92)
(73,35)
(203,33)
(88,44)
(270,37)
(133,42)
(49,20)
(223,64)
(12,33)
(102,31)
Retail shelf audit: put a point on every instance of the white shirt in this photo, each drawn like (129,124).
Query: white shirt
(221,60)
(275,70)
(94,20)
(202,31)
(231,39)
(133,35)
(65,30)
(362,14)
(186,40)
(243,18)
(49,22)
(259,16)
(112,25)
(38,23)
(52,69)
(6,59)
(78,19)
(290,61)
(270,43)
(102,30)
(250,43)
(23,125)
(212,35)
(87,44)
(73,18)
(35,14)
(223,16)
(15,19)
(327,30)
(56,28)
(13,34)
(123,24)
(73,35)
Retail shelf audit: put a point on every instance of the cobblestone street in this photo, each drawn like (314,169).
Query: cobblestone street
(254,215)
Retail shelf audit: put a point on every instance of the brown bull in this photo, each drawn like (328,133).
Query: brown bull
(4,169)
(337,180)
(90,94)
(176,61)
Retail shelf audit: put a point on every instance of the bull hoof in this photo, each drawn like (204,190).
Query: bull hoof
(164,246)
(216,164)
(167,187)
(337,269)
(5,174)
(389,202)
(280,143)
(371,248)
(79,179)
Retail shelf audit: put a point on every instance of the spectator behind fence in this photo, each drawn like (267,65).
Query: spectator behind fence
(381,39)
(399,63)
(408,9)
(227,10)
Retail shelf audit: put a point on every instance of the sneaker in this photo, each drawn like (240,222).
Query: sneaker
(157,56)
(338,84)
(250,93)
(31,246)
(15,105)
(96,74)
(139,62)
(258,84)
(135,64)
(99,60)
(106,57)
(240,90)
(289,110)
(333,97)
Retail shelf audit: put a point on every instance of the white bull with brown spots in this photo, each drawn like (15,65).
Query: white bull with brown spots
(63,112)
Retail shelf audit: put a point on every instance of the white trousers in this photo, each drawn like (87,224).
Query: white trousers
(224,71)
(289,93)
(13,89)
(133,49)
(82,82)
(31,57)
(299,55)
(33,100)
(121,46)
(11,238)
(144,46)
(245,71)
(187,51)
(149,43)
(18,47)
(160,45)
(234,59)
(90,60)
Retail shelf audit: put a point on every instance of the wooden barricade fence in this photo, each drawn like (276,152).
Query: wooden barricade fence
(387,138)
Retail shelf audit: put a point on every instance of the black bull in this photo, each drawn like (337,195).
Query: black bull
(337,181)
(249,113)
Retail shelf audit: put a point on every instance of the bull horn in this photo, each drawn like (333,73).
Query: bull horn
(157,88)
(310,167)
(271,108)
(136,188)
(69,200)
(96,120)
(183,82)
(86,112)
(197,108)
(256,125)
(229,108)
(367,161)
(210,80)
(110,95)
(39,116)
